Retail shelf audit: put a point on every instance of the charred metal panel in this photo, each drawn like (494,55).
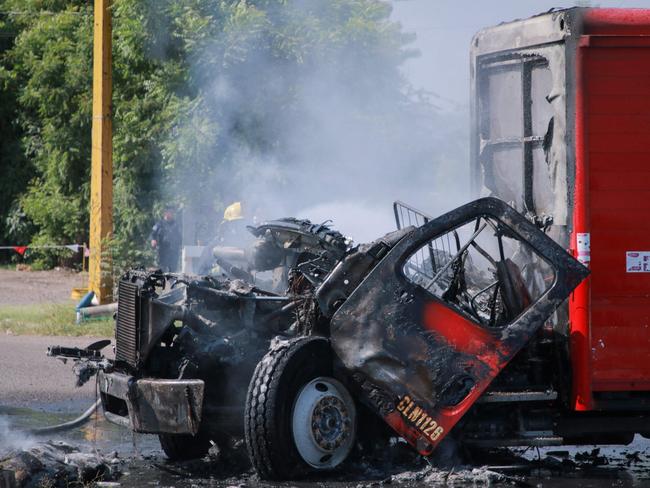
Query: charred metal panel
(168,406)
(546,28)
(156,405)
(520,130)
(420,361)
(542,156)
(158,314)
(350,271)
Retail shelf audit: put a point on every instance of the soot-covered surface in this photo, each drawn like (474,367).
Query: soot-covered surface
(141,463)
(398,466)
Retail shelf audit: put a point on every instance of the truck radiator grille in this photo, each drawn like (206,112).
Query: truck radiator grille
(126,326)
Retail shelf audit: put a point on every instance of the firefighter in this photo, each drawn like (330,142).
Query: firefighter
(165,238)
(231,233)
(232,229)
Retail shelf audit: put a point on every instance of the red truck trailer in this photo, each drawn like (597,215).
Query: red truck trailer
(561,130)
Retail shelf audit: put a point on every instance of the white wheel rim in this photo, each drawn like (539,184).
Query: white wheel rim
(324,423)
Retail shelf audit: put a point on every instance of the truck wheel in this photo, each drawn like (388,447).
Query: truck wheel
(298,418)
(181,447)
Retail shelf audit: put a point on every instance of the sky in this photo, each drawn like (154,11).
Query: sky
(444,29)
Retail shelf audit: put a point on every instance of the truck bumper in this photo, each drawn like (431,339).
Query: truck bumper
(152,406)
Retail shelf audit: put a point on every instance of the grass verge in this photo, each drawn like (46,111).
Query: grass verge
(50,319)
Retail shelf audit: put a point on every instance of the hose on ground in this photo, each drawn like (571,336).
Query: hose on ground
(82,419)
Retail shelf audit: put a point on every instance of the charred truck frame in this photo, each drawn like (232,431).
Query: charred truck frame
(413,327)
(461,320)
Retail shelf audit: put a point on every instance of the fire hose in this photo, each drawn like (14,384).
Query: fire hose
(82,419)
(92,355)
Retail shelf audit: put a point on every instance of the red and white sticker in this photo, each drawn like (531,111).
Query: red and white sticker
(637,262)
(584,248)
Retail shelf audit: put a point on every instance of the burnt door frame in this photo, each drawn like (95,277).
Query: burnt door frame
(372,332)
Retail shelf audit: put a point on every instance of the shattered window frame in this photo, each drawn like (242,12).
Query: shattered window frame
(528,141)
(455,245)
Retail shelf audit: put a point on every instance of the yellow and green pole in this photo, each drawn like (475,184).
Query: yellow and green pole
(101,179)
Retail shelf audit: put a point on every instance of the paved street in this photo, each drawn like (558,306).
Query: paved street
(31,379)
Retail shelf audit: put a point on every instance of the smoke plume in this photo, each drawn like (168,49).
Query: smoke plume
(337,135)
(12,439)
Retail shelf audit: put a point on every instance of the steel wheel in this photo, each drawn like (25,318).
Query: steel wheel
(298,419)
(323,423)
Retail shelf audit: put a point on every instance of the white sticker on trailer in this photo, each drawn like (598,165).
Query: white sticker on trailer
(637,262)
(584,248)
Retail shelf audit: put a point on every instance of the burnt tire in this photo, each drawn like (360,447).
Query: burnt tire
(181,447)
(288,394)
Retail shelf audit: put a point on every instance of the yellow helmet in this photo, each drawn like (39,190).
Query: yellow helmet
(233,212)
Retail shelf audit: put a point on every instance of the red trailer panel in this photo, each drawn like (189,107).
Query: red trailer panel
(616,73)
(585,176)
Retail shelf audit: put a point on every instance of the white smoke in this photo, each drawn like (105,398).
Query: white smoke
(12,439)
(341,150)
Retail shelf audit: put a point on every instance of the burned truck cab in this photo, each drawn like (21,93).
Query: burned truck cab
(187,345)
(178,338)
(415,326)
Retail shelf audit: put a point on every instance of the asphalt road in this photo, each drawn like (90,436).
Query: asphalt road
(30,379)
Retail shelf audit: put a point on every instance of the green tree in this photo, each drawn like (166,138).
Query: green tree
(15,170)
(48,71)
(208,95)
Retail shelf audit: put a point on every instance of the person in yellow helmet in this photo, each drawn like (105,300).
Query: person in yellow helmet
(231,233)
(232,229)
(233,212)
